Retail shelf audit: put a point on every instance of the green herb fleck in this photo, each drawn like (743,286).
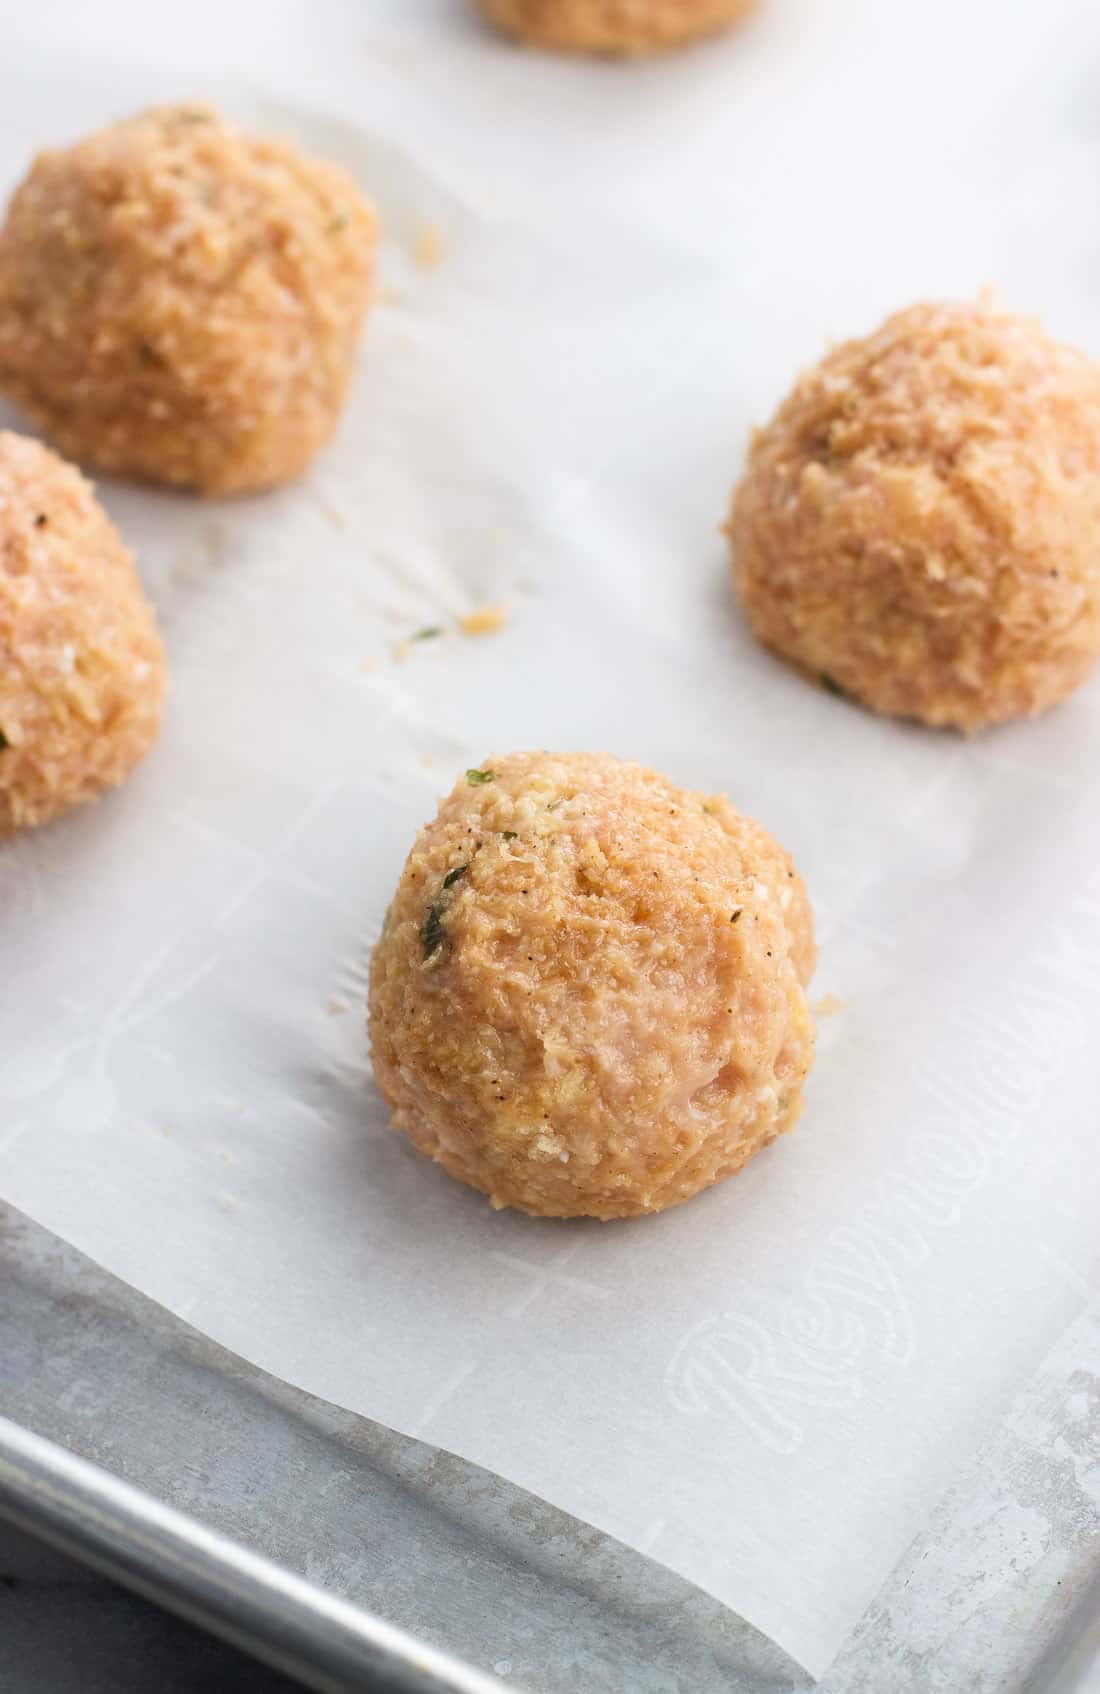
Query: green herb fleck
(432,934)
(337,222)
(4,742)
(509,835)
(476,778)
(735,915)
(147,354)
(428,633)
(830,685)
(192,115)
(41,521)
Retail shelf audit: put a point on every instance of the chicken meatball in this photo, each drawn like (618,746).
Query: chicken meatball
(81,668)
(181,302)
(588,996)
(613,26)
(919,524)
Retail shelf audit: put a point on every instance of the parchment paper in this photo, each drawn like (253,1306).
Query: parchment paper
(768,1388)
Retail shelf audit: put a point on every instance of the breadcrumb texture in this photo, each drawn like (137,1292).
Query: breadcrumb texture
(588,997)
(81,666)
(618,27)
(920,522)
(182,302)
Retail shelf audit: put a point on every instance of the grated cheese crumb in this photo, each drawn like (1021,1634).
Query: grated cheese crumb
(485,621)
(428,246)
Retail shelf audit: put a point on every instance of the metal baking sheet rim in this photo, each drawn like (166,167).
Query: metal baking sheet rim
(929,1628)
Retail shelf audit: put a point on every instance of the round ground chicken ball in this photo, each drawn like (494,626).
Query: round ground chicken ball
(588,997)
(613,26)
(182,302)
(919,524)
(81,666)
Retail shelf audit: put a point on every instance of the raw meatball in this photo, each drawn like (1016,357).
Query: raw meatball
(81,667)
(588,995)
(613,26)
(919,525)
(182,302)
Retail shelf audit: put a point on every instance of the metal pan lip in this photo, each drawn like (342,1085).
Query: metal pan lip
(295,1627)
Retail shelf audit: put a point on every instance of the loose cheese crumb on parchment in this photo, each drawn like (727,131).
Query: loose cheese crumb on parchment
(485,621)
(428,246)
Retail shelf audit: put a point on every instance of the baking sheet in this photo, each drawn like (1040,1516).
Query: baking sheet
(766,1389)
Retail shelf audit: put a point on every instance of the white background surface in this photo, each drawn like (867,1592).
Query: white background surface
(766,1389)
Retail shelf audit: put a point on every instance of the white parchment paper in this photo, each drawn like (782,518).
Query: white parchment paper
(768,1388)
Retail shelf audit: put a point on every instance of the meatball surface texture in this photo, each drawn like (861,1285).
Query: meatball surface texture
(619,27)
(919,524)
(182,302)
(588,997)
(82,671)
